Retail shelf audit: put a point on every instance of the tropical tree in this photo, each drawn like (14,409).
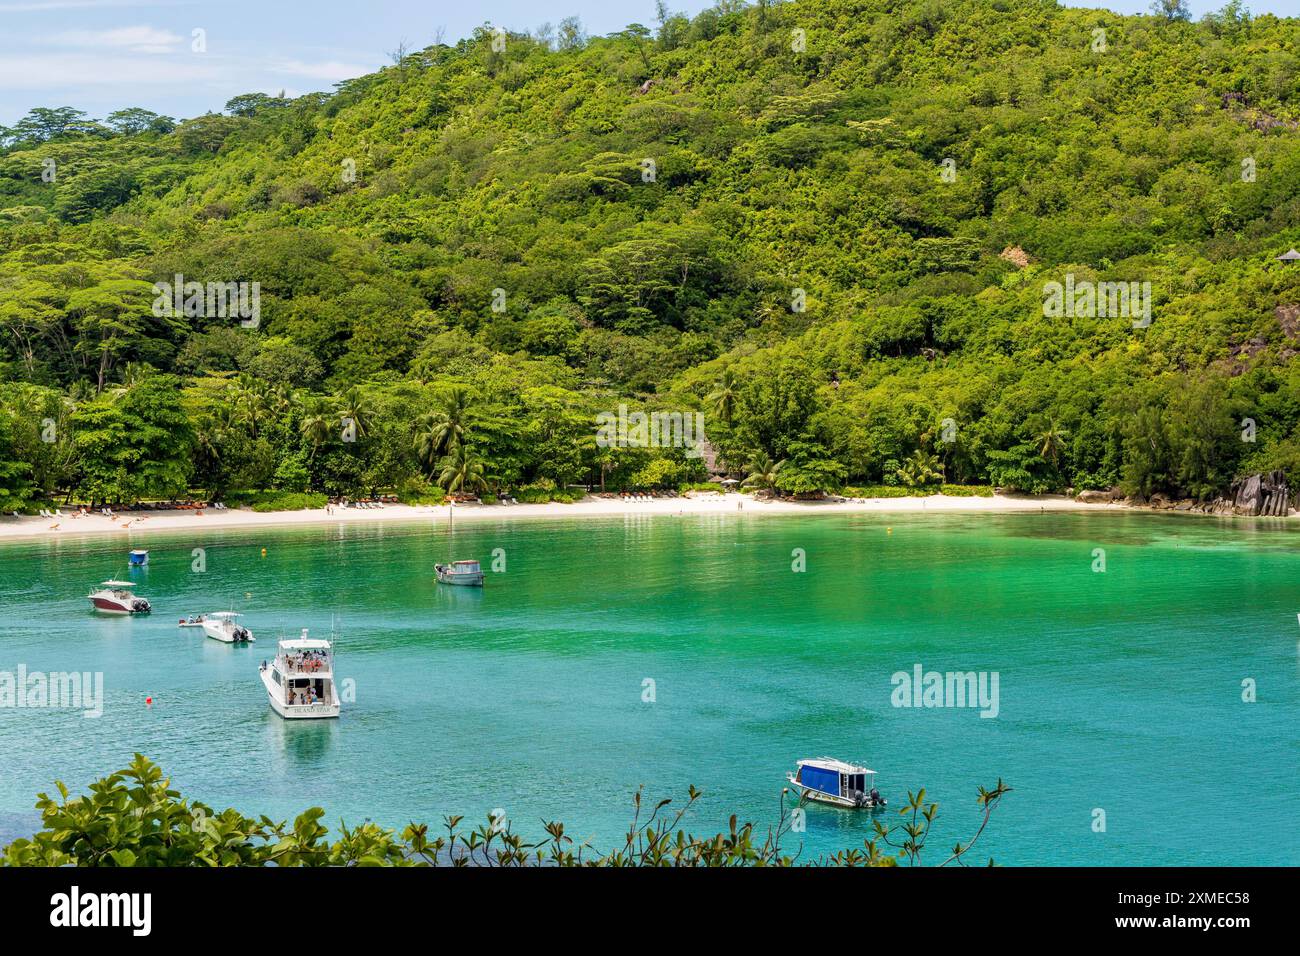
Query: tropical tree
(317,424)
(920,468)
(1051,440)
(763,472)
(462,472)
(445,429)
(355,407)
(722,400)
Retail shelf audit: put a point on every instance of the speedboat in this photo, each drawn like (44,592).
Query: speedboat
(299,680)
(115,597)
(194,620)
(840,784)
(464,573)
(223,626)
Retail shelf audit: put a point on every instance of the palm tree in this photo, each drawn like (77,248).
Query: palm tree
(1051,440)
(462,472)
(921,468)
(317,424)
(356,409)
(722,400)
(763,472)
(251,401)
(444,430)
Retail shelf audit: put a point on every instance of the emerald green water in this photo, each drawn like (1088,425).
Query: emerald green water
(1119,690)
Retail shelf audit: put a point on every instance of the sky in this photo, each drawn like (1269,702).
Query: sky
(103,55)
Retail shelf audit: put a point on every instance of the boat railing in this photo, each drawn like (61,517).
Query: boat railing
(308,668)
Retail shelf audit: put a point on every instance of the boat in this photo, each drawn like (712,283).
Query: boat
(115,597)
(827,780)
(465,573)
(194,620)
(223,627)
(299,680)
(138,558)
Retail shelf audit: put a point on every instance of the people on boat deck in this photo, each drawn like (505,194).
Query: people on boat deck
(307,661)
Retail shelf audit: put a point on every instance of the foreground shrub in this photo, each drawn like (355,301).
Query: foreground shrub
(134,818)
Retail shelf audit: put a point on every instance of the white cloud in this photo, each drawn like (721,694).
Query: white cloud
(331,70)
(74,71)
(141,39)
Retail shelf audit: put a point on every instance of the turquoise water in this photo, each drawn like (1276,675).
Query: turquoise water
(1119,691)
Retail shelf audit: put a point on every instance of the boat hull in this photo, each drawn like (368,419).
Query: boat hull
(110,606)
(474,580)
(219,633)
(323,710)
(830,799)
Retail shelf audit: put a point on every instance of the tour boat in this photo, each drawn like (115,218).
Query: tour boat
(840,784)
(464,573)
(223,627)
(115,597)
(300,679)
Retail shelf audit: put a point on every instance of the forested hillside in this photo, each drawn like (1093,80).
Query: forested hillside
(829,226)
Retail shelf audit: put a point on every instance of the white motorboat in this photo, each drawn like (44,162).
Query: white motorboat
(300,681)
(223,626)
(116,597)
(827,780)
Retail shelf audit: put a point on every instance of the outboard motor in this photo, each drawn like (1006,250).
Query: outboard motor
(876,798)
(859,798)
(140,605)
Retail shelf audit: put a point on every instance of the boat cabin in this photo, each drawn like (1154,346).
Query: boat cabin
(828,780)
(304,672)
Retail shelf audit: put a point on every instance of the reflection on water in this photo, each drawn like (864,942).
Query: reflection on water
(294,744)
(452,596)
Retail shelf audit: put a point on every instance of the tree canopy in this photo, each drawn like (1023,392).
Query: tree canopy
(828,227)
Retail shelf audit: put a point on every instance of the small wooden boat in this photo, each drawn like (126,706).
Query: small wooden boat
(463,573)
(840,784)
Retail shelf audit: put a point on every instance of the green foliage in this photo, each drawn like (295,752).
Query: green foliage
(794,260)
(134,818)
(267,501)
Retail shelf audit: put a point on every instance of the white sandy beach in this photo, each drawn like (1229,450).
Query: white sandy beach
(137,523)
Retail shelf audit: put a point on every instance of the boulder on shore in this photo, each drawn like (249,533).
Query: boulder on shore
(1264,494)
(1092,496)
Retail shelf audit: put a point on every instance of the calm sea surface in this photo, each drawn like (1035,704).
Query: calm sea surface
(1118,691)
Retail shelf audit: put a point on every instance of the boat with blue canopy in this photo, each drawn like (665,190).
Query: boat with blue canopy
(840,784)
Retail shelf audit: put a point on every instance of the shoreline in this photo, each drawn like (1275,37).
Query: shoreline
(132,524)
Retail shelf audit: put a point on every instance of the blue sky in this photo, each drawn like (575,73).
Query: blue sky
(102,55)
